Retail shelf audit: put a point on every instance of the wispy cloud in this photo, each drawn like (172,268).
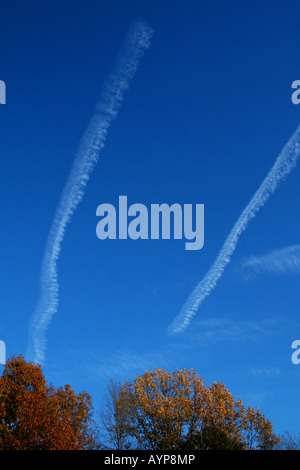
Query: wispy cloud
(121,364)
(194,349)
(216,330)
(283,261)
(93,140)
(266,372)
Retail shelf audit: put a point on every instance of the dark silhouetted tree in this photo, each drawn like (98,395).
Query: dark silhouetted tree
(114,416)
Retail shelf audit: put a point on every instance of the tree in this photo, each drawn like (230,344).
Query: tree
(212,438)
(33,415)
(289,441)
(77,411)
(161,405)
(258,431)
(114,417)
(176,411)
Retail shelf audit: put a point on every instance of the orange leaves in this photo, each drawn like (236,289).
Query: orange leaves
(159,410)
(33,415)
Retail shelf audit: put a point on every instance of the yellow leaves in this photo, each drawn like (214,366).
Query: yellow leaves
(167,407)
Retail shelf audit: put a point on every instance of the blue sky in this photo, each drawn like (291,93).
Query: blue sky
(203,121)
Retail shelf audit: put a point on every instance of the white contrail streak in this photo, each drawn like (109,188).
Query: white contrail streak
(284,163)
(92,141)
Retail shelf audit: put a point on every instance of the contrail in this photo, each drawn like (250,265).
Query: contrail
(92,141)
(283,165)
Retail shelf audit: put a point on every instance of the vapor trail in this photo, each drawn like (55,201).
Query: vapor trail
(283,165)
(92,141)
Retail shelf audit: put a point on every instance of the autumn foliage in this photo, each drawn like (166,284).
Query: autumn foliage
(34,415)
(166,411)
(156,411)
